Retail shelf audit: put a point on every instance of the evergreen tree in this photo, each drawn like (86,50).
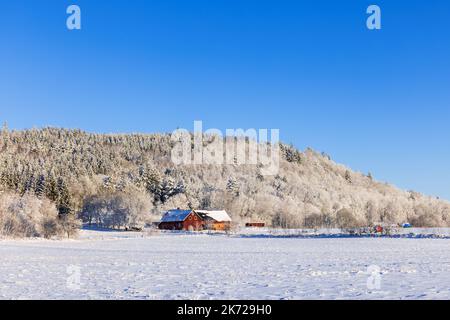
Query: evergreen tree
(348,176)
(63,204)
(39,189)
(233,187)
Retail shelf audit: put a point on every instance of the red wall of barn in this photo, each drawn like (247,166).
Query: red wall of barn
(193,222)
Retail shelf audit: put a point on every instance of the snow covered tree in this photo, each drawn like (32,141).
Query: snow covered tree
(233,187)
(70,225)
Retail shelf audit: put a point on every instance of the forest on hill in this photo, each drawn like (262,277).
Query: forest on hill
(52,178)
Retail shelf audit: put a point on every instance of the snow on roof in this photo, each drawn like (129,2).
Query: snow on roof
(175,215)
(218,215)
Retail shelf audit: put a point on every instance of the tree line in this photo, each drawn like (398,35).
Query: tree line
(127,180)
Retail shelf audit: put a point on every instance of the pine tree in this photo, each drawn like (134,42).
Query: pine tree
(152,181)
(233,187)
(348,176)
(51,191)
(39,188)
(64,203)
(30,183)
(5,134)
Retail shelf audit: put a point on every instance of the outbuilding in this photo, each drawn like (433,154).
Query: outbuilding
(255,225)
(217,220)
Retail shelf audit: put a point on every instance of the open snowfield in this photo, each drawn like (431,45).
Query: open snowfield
(114,265)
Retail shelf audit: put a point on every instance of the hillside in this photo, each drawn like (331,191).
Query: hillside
(72,167)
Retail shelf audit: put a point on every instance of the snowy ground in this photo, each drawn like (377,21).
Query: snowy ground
(114,265)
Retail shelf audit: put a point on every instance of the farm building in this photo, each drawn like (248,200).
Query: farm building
(181,220)
(218,220)
(255,224)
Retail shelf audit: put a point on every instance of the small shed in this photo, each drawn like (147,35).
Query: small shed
(217,220)
(178,219)
(255,224)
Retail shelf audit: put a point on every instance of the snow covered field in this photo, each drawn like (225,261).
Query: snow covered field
(115,265)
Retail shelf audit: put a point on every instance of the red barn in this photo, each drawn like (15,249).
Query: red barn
(187,220)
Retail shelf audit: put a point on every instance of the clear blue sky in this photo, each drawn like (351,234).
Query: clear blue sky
(377,101)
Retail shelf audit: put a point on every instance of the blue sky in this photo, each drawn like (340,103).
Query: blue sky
(377,101)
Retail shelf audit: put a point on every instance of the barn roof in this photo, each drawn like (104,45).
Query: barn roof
(175,215)
(218,215)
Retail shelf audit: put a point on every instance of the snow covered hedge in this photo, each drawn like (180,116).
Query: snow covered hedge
(30,216)
(117,210)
